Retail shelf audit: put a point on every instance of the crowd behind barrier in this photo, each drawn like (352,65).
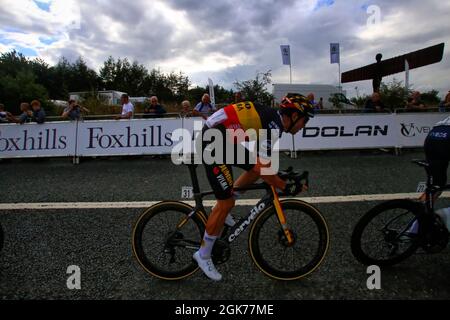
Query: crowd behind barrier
(319,112)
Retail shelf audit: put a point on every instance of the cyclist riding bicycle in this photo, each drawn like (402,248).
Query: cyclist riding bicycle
(437,153)
(295,111)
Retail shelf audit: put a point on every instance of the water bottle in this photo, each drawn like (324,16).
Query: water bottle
(444,214)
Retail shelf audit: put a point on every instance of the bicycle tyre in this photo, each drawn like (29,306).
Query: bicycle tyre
(356,239)
(139,248)
(257,232)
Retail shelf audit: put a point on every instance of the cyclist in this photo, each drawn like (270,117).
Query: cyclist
(295,111)
(437,152)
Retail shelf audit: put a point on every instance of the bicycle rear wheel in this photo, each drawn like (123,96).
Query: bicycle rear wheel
(163,250)
(269,248)
(382,237)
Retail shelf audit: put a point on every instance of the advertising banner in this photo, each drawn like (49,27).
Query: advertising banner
(413,128)
(126,137)
(347,132)
(54,139)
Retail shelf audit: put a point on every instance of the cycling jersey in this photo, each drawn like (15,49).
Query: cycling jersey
(437,151)
(245,116)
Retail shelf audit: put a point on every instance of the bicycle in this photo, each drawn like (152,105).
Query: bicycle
(395,240)
(165,250)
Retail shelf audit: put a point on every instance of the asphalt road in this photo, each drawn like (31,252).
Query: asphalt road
(41,244)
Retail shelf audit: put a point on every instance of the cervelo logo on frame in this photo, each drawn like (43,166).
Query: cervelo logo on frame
(221,147)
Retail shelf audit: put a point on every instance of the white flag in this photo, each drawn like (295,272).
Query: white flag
(286,54)
(211,92)
(334,52)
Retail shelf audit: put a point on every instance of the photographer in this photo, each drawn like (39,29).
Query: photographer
(73,111)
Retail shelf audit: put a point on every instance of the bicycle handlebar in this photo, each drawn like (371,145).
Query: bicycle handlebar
(296,177)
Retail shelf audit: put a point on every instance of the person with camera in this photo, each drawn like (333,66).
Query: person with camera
(73,111)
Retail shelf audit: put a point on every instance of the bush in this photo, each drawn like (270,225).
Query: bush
(431,98)
(360,102)
(394,94)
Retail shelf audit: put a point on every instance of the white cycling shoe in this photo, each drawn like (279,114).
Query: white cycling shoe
(207,267)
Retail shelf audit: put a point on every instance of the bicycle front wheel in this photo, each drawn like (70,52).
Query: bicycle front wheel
(270,250)
(383,236)
(162,246)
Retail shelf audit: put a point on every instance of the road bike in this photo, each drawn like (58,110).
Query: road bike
(385,235)
(288,239)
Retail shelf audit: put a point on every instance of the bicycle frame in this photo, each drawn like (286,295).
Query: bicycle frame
(270,198)
(430,191)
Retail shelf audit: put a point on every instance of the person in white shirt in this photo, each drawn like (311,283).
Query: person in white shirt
(127,108)
(204,108)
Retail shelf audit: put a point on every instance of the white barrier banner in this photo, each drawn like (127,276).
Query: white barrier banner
(154,136)
(54,139)
(347,132)
(413,128)
(286,142)
(126,137)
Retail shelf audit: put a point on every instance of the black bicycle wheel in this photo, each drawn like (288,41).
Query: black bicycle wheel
(159,248)
(268,245)
(382,236)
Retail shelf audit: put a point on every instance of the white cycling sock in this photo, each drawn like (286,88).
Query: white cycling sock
(207,246)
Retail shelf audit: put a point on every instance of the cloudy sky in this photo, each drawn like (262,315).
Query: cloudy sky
(233,39)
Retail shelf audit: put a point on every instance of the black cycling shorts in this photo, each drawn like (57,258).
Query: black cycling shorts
(437,151)
(220,173)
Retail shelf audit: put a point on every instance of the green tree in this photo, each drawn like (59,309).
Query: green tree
(21,88)
(256,89)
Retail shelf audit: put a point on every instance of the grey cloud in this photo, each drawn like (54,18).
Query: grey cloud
(255,29)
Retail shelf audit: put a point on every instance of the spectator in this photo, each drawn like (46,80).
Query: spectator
(3,114)
(186,109)
(25,116)
(127,108)
(154,109)
(310,98)
(320,104)
(73,111)
(38,112)
(204,108)
(374,104)
(238,97)
(445,104)
(414,102)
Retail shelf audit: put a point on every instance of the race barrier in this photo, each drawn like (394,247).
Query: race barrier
(154,136)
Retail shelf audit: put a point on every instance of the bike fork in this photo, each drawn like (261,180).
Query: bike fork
(282,217)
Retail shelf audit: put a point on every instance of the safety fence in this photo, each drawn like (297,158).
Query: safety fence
(155,136)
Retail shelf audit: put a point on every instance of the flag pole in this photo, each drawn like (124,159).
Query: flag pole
(406,75)
(290,73)
(339,76)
